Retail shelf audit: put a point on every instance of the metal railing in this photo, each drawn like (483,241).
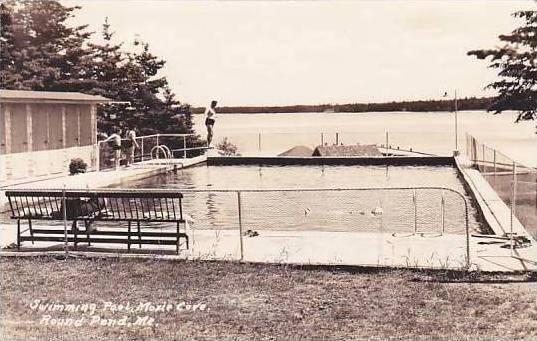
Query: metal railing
(515,183)
(322,225)
(176,144)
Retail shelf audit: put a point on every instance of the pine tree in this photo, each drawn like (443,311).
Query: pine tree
(158,110)
(8,74)
(39,49)
(517,65)
(106,77)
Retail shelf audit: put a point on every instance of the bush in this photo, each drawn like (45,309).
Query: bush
(226,148)
(77,166)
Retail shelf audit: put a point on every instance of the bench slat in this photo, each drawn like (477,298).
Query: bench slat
(101,240)
(94,194)
(107,233)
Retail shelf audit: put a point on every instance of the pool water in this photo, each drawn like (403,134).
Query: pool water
(273,198)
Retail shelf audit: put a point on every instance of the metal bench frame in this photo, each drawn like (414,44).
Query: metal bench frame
(130,206)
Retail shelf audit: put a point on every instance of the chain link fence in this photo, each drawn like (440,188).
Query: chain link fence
(515,184)
(361,226)
(423,226)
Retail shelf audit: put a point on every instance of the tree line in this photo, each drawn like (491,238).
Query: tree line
(40,51)
(471,103)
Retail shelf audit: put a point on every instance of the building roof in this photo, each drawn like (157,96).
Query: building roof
(298,151)
(24,96)
(351,150)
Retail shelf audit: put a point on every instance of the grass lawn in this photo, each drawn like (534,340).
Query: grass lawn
(246,301)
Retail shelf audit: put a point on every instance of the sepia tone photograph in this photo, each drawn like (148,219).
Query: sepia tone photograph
(268,170)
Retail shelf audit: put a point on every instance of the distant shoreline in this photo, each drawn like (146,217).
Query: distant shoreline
(463,104)
(342,112)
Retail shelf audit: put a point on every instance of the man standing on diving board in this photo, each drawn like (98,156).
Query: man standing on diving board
(210,112)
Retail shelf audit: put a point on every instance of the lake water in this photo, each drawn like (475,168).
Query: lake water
(271,134)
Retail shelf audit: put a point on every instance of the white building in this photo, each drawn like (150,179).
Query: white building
(42,131)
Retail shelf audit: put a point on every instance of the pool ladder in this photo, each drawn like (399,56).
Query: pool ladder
(165,150)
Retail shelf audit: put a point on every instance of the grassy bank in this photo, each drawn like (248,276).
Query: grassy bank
(247,301)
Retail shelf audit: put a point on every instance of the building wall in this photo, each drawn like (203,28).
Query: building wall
(41,138)
(3,136)
(19,121)
(45,162)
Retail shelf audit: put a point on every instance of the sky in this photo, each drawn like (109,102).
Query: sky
(313,52)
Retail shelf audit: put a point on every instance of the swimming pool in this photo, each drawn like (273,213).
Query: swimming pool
(338,197)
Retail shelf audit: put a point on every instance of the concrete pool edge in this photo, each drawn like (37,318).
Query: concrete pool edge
(493,210)
(332,160)
(101,179)
(497,215)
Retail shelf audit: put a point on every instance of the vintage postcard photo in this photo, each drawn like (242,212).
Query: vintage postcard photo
(268,170)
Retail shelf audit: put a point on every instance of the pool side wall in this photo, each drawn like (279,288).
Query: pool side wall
(332,160)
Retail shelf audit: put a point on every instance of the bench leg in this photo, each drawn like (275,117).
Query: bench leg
(177,240)
(187,241)
(129,239)
(31,230)
(75,235)
(86,226)
(139,236)
(18,234)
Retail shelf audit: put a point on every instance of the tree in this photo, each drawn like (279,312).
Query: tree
(39,49)
(133,78)
(8,75)
(106,76)
(517,65)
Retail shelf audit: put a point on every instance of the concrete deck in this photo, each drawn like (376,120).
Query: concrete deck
(313,247)
(138,171)
(105,178)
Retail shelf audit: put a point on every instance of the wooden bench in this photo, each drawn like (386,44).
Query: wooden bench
(134,207)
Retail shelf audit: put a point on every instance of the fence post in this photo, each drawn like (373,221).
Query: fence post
(240,224)
(467,236)
(414,199)
(259,142)
(472,150)
(442,212)
(494,181)
(513,204)
(184,147)
(98,157)
(337,139)
(387,142)
(322,139)
(64,211)
(483,161)
(143,148)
